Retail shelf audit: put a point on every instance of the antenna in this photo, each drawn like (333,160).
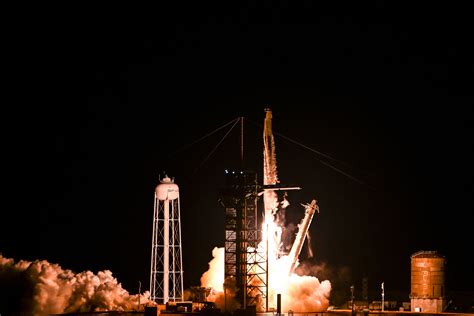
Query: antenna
(242,142)
(139,293)
(383,296)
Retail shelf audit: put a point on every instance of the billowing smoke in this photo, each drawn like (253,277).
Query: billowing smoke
(214,279)
(300,293)
(305,293)
(340,276)
(41,288)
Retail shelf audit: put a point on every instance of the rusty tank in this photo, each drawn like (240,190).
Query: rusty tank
(427,275)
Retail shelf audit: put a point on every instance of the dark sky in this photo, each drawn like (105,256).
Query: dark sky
(96,115)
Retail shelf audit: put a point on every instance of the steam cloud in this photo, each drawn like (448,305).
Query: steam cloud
(214,279)
(41,288)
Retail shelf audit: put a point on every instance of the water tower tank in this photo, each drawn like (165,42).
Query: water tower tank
(167,190)
(427,274)
(427,280)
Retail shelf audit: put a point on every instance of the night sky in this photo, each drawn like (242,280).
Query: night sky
(98,115)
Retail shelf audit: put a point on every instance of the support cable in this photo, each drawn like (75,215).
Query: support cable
(319,153)
(311,149)
(204,137)
(214,149)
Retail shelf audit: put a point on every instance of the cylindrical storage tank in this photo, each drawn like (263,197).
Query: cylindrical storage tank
(427,275)
(167,190)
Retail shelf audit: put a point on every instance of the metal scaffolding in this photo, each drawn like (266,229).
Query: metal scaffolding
(245,263)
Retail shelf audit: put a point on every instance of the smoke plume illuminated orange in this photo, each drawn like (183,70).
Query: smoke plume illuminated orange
(56,290)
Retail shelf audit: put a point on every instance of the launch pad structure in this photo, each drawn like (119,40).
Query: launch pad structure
(246,260)
(245,265)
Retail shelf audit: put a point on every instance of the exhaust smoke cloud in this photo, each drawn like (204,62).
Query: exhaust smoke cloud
(40,288)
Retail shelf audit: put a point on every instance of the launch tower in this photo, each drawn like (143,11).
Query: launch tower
(245,264)
(246,252)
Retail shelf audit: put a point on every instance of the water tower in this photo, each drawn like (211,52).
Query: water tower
(166,276)
(427,282)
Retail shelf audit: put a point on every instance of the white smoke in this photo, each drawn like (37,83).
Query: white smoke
(306,294)
(214,277)
(50,289)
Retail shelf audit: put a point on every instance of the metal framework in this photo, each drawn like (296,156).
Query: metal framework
(166,277)
(245,263)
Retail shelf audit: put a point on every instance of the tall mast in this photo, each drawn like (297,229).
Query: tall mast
(242,142)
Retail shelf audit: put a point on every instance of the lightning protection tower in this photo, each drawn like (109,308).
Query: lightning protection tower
(166,276)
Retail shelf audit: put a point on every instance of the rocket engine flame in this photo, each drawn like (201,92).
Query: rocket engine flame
(50,289)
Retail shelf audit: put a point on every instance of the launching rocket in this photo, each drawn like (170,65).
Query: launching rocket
(270,175)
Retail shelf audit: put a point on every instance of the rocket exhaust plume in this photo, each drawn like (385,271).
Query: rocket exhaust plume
(41,288)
